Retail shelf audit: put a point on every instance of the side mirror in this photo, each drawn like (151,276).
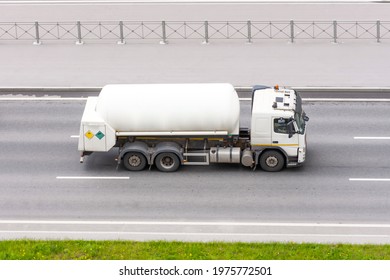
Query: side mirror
(305,118)
(290,128)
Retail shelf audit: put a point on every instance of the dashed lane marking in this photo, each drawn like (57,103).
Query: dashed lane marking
(371,138)
(370,179)
(91,178)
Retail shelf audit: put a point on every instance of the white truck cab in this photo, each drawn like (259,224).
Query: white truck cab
(278,123)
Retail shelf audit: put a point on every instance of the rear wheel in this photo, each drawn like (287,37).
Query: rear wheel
(272,161)
(167,162)
(134,161)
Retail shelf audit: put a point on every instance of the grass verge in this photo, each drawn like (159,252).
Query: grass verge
(161,250)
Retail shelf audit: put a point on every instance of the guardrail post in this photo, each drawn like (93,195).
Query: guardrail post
(164,33)
(292,31)
(335,32)
(206,32)
(378,31)
(37,39)
(121,37)
(249,24)
(79,38)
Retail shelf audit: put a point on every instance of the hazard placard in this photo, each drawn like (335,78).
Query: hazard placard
(99,135)
(89,134)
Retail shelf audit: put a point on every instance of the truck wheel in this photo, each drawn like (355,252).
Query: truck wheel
(134,161)
(167,162)
(271,161)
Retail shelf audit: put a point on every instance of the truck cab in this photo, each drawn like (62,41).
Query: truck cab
(278,128)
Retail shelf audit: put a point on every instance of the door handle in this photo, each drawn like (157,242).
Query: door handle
(275,142)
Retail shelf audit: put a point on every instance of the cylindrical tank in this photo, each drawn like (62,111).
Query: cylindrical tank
(225,154)
(170,107)
(247,158)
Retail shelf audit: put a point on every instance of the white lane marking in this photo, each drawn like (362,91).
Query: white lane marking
(195,234)
(186,2)
(346,99)
(241,99)
(371,138)
(238,224)
(370,179)
(43,99)
(90,178)
(75,136)
(334,99)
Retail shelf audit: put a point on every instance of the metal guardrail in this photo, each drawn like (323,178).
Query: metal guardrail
(249,31)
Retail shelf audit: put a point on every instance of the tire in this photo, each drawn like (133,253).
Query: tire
(167,162)
(134,161)
(272,161)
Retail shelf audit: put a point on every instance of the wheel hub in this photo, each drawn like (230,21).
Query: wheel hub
(134,161)
(271,161)
(167,161)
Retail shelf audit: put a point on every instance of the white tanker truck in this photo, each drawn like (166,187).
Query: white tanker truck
(168,125)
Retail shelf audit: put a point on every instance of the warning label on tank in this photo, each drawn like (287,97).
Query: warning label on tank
(99,135)
(89,134)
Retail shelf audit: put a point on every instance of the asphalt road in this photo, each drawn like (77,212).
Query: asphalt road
(317,202)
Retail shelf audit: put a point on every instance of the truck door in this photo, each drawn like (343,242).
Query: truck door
(280,136)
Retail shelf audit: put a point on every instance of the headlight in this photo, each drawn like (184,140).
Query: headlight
(301,155)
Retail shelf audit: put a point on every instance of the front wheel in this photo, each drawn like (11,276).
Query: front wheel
(167,162)
(272,161)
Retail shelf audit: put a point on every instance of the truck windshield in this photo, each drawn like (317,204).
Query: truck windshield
(299,115)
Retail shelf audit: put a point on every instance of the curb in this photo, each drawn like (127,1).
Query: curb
(50,89)
(329,89)
(239,88)
(344,89)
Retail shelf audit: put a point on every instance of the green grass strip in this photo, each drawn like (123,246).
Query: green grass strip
(161,250)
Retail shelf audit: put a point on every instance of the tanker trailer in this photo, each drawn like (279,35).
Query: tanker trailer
(168,125)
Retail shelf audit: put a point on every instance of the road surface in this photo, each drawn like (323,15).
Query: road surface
(341,194)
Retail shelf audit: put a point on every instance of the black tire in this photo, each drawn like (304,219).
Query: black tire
(272,161)
(167,162)
(134,161)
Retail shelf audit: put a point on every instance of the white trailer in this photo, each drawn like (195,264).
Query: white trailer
(168,125)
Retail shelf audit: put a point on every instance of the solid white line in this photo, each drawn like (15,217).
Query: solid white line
(185,1)
(165,223)
(335,99)
(195,233)
(75,136)
(355,89)
(346,99)
(43,98)
(371,138)
(62,99)
(370,179)
(248,88)
(241,99)
(90,178)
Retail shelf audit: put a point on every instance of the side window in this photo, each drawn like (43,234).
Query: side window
(280,125)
